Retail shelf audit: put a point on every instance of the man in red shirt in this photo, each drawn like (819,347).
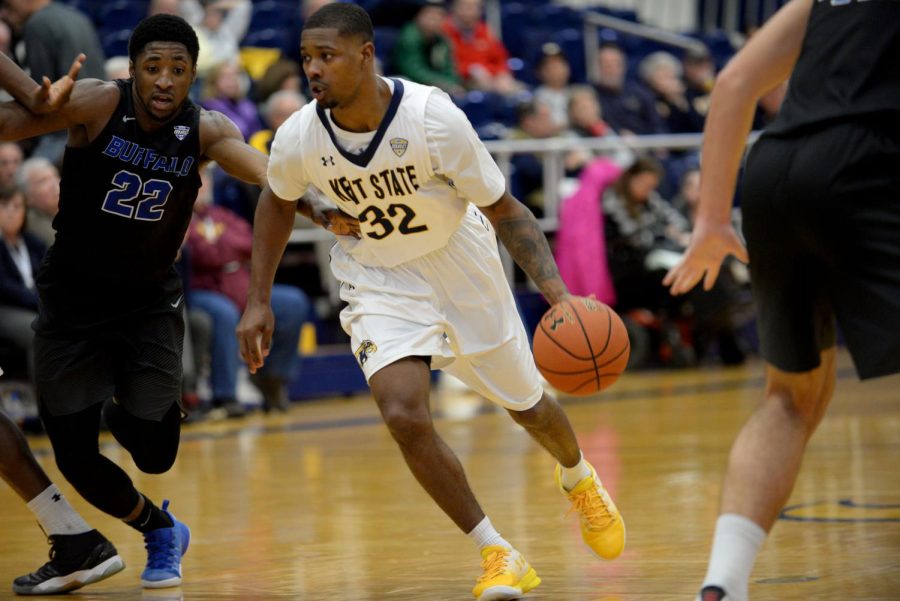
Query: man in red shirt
(480,56)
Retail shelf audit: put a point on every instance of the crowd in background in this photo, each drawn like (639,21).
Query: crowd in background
(624,218)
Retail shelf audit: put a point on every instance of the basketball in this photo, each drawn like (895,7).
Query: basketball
(581,346)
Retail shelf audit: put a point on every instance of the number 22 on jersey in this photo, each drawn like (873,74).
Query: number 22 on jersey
(133,198)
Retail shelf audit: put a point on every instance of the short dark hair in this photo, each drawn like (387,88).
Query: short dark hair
(348,19)
(163,28)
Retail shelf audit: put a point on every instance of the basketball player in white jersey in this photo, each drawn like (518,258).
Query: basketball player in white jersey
(422,277)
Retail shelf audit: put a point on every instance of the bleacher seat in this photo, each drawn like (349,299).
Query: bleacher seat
(274,14)
(121,14)
(269,38)
(115,42)
(385,38)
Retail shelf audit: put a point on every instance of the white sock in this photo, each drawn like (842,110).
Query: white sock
(735,545)
(484,535)
(55,514)
(571,476)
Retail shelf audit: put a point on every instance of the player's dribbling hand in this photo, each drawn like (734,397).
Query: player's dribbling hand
(337,222)
(51,96)
(703,259)
(254,333)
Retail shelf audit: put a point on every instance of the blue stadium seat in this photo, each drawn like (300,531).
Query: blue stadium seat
(269,38)
(514,18)
(385,38)
(121,14)
(274,14)
(115,43)
(477,108)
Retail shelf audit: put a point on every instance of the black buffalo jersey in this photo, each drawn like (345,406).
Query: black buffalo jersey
(849,65)
(126,201)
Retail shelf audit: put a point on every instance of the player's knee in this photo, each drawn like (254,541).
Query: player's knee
(804,397)
(407,426)
(159,461)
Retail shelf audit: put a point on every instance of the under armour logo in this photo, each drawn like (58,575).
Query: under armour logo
(327,160)
(56,497)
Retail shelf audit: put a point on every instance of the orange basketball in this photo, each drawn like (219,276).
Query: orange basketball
(581,346)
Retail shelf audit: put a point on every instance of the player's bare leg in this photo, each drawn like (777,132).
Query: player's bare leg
(80,555)
(401,391)
(18,467)
(602,527)
(548,424)
(762,468)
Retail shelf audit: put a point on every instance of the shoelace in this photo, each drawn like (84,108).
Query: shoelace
(162,551)
(590,504)
(493,565)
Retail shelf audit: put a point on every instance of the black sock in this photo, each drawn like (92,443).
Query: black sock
(151,518)
(712,593)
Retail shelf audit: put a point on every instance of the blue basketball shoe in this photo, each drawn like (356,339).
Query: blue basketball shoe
(165,547)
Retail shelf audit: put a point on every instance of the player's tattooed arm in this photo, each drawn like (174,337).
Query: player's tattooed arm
(521,234)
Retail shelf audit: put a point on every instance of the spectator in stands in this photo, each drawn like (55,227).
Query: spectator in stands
(38,178)
(225,90)
(10,161)
(627,107)
(220,25)
(553,72)
(20,256)
(283,74)
(586,121)
(52,34)
(699,77)
(164,7)
(480,56)
(117,67)
(661,72)
(308,7)
(422,53)
(527,181)
(220,243)
(645,237)
(276,110)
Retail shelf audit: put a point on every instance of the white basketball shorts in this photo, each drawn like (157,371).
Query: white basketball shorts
(453,305)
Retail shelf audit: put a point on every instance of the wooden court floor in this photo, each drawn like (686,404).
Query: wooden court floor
(317,504)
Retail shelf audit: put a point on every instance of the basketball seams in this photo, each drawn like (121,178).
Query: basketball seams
(568,371)
(552,339)
(588,338)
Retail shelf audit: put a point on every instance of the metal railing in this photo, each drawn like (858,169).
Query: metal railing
(552,151)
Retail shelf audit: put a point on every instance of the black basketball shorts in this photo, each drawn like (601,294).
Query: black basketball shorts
(137,360)
(821,215)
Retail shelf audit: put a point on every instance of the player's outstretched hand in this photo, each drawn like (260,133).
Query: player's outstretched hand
(51,96)
(337,222)
(708,248)
(254,333)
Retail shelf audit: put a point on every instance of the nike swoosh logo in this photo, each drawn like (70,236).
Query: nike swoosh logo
(177,302)
(126,118)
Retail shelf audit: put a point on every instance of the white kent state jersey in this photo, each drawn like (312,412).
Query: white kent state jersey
(409,182)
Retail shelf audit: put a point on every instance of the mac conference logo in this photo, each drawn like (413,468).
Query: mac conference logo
(398,145)
(181,131)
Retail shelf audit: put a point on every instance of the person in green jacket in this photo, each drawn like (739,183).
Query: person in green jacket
(422,53)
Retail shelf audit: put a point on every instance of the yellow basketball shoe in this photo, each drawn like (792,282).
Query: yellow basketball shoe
(602,528)
(507,575)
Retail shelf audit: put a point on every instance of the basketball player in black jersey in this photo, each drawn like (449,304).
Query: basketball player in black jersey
(110,328)
(79,554)
(821,207)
